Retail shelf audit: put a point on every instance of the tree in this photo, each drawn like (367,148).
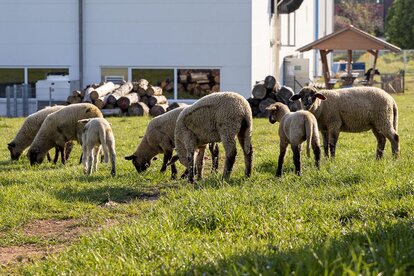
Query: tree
(400,24)
(364,15)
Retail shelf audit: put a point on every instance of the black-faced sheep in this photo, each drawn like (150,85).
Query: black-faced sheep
(159,138)
(94,134)
(59,128)
(28,131)
(295,128)
(216,117)
(353,109)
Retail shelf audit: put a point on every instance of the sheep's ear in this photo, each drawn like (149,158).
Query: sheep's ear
(11,144)
(271,108)
(83,121)
(320,96)
(294,97)
(129,157)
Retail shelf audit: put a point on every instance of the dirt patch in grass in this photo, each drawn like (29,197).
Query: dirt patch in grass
(61,232)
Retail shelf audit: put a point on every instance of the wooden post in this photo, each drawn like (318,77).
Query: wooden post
(349,64)
(371,77)
(325,68)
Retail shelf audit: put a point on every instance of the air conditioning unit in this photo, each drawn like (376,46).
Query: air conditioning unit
(55,88)
(115,79)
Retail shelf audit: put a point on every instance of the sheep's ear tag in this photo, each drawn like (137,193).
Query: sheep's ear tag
(319,96)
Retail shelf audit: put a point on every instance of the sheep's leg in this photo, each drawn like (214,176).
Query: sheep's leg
(394,139)
(248,156)
(60,150)
(333,139)
(282,153)
(214,150)
(85,159)
(317,152)
(111,146)
(190,160)
(231,152)
(174,171)
(200,162)
(68,149)
(96,152)
(296,159)
(167,157)
(381,140)
(325,143)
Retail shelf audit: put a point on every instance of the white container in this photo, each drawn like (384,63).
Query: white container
(55,88)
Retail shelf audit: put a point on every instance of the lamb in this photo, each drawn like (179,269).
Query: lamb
(94,134)
(353,109)
(59,128)
(216,117)
(295,128)
(28,131)
(159,138)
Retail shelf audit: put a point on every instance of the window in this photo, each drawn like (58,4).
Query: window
(114,73)
(288,29)
(196,83)
(163,78)
(9,77)
(35,74)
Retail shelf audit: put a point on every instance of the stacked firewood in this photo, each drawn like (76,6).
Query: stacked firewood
(198,82)
(267,92)
(131,98)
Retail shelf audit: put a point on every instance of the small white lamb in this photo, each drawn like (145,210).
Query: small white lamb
(94,134)
(295,128)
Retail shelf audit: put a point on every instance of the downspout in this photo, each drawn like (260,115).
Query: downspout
(315,61)
(80,33)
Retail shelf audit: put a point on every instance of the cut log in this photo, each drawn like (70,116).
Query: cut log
(175,105)
(141,87)
(154,91)
(153,100)
(284,94)
(101,102)
(123,90)
(264,104)
(87,94)
(199,77)
(111,112)
(215,88)
(259,91)
(169,87)
(73,99)
(158,109)
(144,99)
(102,90)
(125,101)
(138,109)
(269,82)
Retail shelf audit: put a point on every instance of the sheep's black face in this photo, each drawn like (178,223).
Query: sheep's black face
(15,155)
(35,157)
(139,165)
(272,118)
(308,96)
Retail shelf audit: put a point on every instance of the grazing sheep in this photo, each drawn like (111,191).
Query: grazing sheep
(28,131)
(159,138)
(353,109)
(59,128)
(220,116)
(295,128)
(94,134)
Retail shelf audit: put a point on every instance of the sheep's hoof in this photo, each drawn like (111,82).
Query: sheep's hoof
(113,173)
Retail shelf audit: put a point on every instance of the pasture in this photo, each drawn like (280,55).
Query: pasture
(353,216)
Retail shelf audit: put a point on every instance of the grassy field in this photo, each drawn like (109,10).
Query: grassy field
(353,216)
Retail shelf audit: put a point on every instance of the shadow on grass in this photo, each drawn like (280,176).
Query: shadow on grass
(385,250)
(101,195)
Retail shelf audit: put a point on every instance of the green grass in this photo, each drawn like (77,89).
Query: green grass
(353,216)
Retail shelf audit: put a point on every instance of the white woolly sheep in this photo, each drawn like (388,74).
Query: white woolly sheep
(353,109)
(28,131)
(94,134)
(295,128)
(220,116)
(59,128)
(159,138)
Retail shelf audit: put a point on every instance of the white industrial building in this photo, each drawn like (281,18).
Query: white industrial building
(239,41)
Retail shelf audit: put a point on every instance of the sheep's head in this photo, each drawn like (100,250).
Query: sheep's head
(308,95)
(140,164)
(276,111)
(14,153)
(35,156)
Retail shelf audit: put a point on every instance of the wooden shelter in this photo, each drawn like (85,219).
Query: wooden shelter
(348,39)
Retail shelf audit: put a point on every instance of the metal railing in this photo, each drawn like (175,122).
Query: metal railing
(17,100)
